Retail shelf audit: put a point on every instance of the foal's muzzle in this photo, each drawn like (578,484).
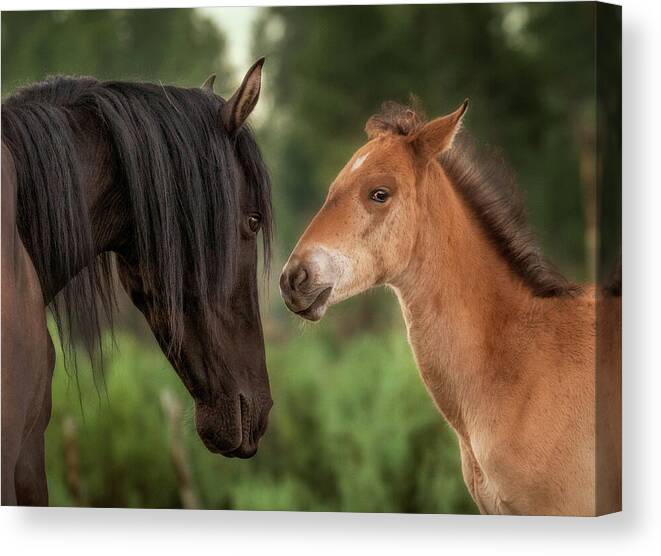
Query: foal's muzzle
(302,291)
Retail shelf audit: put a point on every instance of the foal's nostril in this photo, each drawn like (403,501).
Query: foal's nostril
(293,277)
(298,278)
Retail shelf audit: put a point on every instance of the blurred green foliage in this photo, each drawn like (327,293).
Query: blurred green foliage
(174,46)
(352,427)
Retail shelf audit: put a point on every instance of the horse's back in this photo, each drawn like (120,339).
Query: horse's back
(27,357)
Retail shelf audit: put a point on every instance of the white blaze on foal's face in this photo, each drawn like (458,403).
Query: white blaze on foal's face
(359,162)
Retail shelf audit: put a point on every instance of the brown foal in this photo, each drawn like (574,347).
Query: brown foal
(505,345)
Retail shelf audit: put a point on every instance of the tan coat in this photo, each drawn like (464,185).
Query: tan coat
(507,351)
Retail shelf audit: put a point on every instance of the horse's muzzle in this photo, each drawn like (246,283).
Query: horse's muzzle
(233,428)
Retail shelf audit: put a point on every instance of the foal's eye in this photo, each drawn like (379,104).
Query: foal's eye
(380,195)
(254,222)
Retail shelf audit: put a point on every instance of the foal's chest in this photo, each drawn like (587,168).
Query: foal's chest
(484,489)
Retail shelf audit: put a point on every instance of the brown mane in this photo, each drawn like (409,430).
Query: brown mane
(489,189)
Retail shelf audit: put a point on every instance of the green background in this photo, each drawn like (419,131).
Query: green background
(352,428)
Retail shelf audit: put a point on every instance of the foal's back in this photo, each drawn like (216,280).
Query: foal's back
(563,414)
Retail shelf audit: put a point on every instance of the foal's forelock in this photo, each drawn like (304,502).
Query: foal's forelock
(181,171)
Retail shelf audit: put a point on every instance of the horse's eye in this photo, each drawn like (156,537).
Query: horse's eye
(254,222)
(380,195)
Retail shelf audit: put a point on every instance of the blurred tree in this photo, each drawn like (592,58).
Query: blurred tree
(174,46)
(570,101)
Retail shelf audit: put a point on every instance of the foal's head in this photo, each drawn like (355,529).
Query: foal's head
(365,232)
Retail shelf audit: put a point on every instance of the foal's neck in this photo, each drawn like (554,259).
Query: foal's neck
(461,303)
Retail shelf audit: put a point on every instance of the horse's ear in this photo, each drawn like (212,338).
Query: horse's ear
(437,136)
(208,83)
(237,109)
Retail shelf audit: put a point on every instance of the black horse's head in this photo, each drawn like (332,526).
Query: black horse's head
(197,284)
(170,180)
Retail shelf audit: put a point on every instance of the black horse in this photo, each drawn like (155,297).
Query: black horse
(167,185)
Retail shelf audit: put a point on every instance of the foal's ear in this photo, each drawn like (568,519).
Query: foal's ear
(237,109)
(437,136)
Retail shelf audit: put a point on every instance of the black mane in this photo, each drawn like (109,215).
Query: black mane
(489,189)
(177,165)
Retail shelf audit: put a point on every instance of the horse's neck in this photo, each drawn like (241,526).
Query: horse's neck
(107,201)
(462,307)
(104,201)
